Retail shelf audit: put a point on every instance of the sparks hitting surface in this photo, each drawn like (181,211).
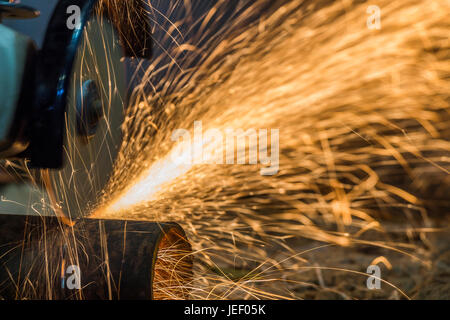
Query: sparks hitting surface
(363,136)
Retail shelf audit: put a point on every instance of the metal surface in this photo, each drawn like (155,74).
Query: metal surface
(116,259)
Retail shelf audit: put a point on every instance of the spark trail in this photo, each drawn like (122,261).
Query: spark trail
(363,120)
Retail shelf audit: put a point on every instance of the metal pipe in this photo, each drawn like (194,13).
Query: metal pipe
(43,258)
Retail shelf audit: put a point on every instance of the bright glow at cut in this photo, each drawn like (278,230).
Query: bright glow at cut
(152,181)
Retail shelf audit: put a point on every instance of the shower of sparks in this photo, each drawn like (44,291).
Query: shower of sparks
(361,114)
(363,118)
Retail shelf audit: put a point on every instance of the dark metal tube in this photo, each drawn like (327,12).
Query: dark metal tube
(40,257)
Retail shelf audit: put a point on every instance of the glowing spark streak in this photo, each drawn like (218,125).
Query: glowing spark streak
(178,162)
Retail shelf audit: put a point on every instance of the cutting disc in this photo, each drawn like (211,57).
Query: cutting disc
(93,119)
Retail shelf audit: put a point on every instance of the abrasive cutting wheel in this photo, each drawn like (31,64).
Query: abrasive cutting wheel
(94,114)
